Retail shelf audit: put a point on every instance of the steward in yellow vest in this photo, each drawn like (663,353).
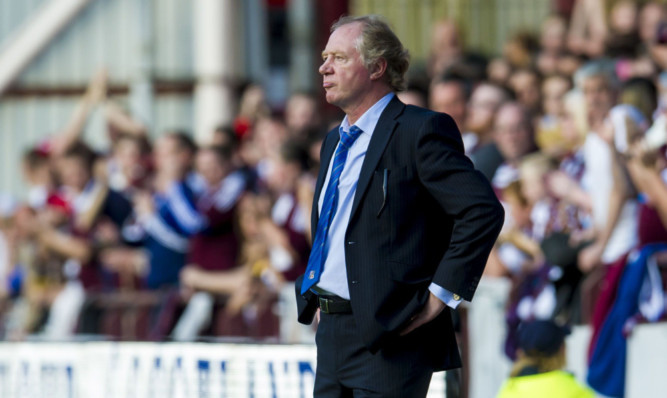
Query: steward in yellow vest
(540,358)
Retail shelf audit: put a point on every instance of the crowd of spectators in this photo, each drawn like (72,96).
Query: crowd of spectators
(164,239)
(172,240)
(569,127)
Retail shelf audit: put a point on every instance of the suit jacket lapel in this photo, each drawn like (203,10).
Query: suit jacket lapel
(383,131)
(330,144)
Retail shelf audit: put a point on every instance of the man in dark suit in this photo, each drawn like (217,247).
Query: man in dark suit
(402,226)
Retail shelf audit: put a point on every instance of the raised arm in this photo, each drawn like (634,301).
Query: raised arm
(72,131)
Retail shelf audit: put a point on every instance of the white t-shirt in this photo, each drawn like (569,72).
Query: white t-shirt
(598,181)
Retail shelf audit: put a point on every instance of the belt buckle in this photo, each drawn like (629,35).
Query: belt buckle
(324,304)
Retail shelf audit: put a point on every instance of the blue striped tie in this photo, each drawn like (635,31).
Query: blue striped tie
(318,254)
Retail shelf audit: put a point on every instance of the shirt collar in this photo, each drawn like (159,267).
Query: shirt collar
(370,118)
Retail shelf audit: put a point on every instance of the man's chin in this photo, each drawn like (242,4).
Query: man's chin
(331,99)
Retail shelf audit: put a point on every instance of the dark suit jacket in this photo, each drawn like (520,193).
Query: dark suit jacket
(438,224)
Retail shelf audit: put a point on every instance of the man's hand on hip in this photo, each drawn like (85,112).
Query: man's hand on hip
(433,308)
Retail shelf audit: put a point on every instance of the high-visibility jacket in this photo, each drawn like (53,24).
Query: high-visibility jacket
(555,384)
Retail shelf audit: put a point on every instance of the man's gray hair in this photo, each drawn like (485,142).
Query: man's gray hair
(599,68)
(377,41)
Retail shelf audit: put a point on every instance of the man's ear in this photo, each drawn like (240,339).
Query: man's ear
(378,69)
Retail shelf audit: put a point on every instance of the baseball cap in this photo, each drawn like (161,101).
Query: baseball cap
(543,337)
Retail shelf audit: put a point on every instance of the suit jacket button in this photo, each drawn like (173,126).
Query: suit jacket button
(351,243)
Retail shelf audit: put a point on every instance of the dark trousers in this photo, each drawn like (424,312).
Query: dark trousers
(345,368)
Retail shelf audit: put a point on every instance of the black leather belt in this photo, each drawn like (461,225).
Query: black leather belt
(334,305)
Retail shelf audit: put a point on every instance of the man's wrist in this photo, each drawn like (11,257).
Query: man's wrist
(452,300)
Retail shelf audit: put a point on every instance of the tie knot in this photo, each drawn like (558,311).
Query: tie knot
(348,138)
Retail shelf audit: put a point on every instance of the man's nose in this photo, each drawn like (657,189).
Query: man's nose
(325,68)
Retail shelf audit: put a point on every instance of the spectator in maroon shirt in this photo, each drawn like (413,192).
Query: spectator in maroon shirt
(289,246)
(216,248)
(212,263)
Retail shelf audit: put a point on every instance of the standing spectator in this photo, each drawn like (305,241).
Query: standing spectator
(588,28)
(450,95)
(96,215)
(288,245)
(520,50)
(268,136)
(513,135)
(253,107)
(526,85)
(94,210)
(9,267)
(551,135)
(301,115)
(485,101)
(552,44)
(414,95)
(169,216)
(213,251)
(614,215)
(38,174)
(216,247)
(448,53)
(446,47)
(128,168)
(287,213)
